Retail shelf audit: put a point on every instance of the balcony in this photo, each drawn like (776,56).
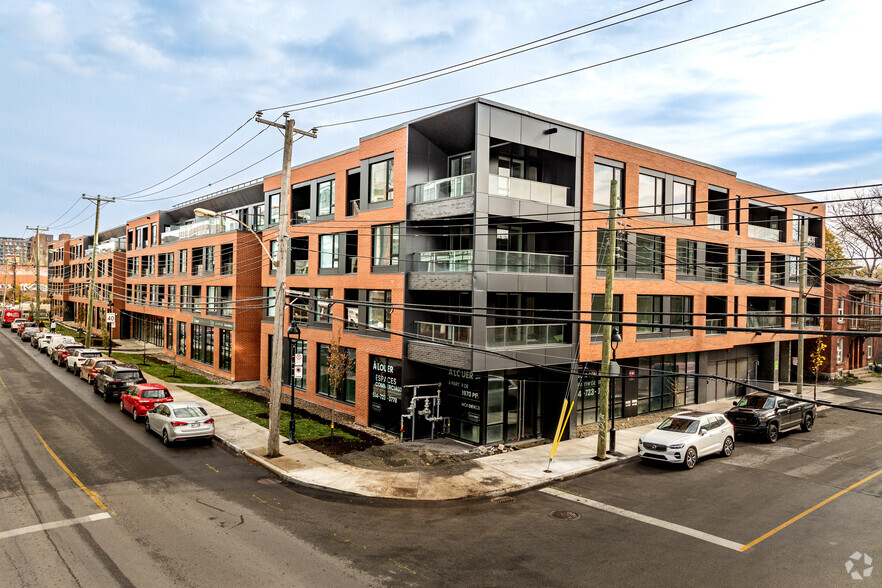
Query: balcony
(300,267)
(455,260)
(765,319)
(111,246)
(865,324)
(715,322)
(763,233)
(201,228)
(714,273)
(753,275)
(528,190)
(454,187)
(716,221)
(779,278)
(444,333)
(525,335)
(812,241)
(300,217)
(524,262)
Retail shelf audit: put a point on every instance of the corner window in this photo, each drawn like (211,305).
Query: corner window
(381,181)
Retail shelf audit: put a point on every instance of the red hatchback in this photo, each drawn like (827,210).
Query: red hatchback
(139,398)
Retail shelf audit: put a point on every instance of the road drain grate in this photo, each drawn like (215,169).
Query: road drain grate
(503,499)
(564,515)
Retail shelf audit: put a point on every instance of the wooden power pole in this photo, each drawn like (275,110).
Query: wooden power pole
(281,264)
(610,263)
(37,261)
(87,340)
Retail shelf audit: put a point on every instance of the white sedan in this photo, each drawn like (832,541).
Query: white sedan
(684,437)
(175,421)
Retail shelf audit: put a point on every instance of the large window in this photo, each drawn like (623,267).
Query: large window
(682,201)
(169,333)
(687,257)
(326,198)
(649,314)
(346,390)
(652,195)
(385,244)
(269,304)
(182,262)
(196,342)
(681,312)
(273,209)
(329,251)
(381,178)
(650,252)
(323,305)
(621,254)
(603,176)
(597,313)
(226,349)
(380,317)
(182,339)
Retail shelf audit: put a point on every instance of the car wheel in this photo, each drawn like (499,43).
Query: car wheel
(121,407)
(134,413)
(807,423)
(95,387)
(106,396)
(772,433)
(147,424)
(728,447)
(691,458)
(165,440)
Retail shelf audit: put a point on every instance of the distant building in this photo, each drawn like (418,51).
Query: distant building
(853,305)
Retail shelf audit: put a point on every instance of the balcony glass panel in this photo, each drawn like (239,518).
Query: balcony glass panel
(715,322)
(716,221)
(456,260)
(765,318)
(528,190)
(764,233)
(301,267)
(456,334)
(453,187)
(524,262)
(715,274)
(525,335)
(300,217)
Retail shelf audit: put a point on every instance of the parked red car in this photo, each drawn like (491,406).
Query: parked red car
(91,366)
(139,398)
(59,355)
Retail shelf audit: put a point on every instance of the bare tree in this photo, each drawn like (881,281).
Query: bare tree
(858,226)
(339,364)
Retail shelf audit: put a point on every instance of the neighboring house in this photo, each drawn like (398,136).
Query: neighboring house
(854,307)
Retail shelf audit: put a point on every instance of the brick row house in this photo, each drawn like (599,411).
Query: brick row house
(852,306)
(461,252)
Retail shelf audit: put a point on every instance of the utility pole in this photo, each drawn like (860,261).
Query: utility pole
(603,395)
(37,258)
(15,275)
(275,400)
(6,279)
(87,340)
(800,344)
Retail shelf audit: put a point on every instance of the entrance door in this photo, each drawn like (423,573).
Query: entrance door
(522,409)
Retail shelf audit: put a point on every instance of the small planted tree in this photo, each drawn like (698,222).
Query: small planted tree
(816,360)
(339,364)
(105,334)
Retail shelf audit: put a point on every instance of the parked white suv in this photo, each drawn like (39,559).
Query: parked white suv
(684,437)
(53,340)
(76,359)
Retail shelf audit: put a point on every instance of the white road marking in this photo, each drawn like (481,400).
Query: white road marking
(53,525)
(646,519)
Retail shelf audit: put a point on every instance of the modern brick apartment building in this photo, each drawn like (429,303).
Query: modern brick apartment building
(460,252)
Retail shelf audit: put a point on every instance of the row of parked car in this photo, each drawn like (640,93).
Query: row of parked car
(684,437)
(123,382)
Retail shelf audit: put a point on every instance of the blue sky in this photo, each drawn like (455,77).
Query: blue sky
(112,97)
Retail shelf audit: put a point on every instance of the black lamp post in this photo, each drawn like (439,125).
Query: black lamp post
(615,340)
(292,330)
(109,329)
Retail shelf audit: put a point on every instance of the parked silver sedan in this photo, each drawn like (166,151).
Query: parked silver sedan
(176,421)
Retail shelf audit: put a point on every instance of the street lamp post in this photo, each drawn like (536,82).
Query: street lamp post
(292,424)
(615,339)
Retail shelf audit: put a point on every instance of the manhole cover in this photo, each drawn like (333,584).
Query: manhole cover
(503,499)
(269,481)
(564,515)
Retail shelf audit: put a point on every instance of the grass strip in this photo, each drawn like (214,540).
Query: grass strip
(166,372)
(250,409)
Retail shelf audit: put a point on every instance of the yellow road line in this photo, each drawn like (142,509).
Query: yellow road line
(72,475)
(809,511)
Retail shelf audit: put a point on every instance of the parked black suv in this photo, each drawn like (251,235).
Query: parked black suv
(767,415)
(113,379)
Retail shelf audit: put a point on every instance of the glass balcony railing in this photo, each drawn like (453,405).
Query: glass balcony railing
(525,335)
(764,233)
(779,278)
(714,273)
(753,275)
(300,267)
(716,221)
(765,318)
(455,260)
(446,188)
(811,241)
(300,217)
(528,190)
(524,262)
(202,227)
(456,334)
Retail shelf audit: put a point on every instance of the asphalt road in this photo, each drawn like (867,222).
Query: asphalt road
(199,515)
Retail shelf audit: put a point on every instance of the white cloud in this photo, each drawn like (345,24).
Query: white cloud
(136,51)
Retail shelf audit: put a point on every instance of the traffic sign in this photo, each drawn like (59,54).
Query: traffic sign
(111,319)
(298,371)
(298,359)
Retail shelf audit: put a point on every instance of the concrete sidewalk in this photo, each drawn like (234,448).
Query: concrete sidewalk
(484,476)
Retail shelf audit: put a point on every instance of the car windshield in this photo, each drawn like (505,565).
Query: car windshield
(679,425)
(101,364)
(190,411)
(90,354)
(151,394)
(128,375)
(762,402)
